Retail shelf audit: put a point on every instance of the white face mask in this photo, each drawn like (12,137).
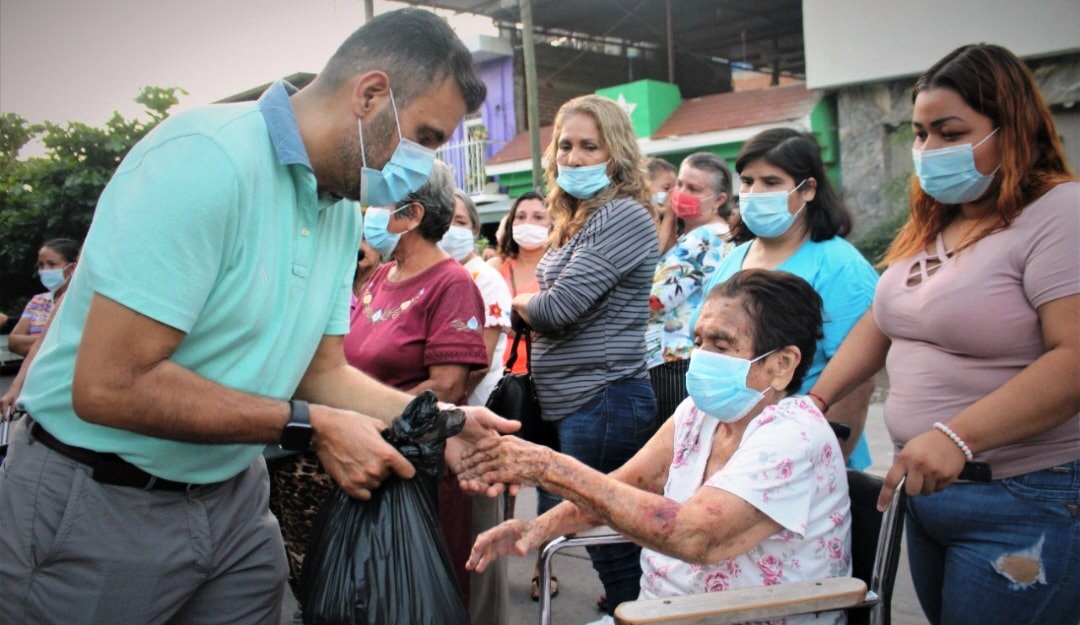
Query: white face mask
(457,242)
(659,198)
(530,236)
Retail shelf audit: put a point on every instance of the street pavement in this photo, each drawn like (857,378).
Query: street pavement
(579,587)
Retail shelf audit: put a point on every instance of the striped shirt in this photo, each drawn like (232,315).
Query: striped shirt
(592,307)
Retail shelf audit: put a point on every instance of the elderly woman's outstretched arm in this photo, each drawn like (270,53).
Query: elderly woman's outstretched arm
(711,526)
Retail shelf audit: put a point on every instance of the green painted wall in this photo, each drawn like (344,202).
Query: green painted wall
(824,125)
(652,102)
(516,183)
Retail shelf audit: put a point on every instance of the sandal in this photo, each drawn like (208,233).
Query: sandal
(535,593)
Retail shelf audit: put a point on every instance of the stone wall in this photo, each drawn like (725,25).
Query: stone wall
(875,137)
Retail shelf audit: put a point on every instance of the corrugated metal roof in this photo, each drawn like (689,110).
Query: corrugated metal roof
(738,109)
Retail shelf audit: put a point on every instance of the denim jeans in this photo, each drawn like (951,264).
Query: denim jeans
(604,434)
(1003,552)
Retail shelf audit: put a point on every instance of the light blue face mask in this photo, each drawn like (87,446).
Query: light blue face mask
(407,170)
(52,279)
(948,174)
(766,214)
(376,221)
(583,182)
(458,242)
(717,384)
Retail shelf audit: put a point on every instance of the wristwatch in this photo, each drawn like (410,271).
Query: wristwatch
(296,435)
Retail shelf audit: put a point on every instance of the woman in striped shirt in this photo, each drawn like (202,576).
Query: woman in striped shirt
(591,310)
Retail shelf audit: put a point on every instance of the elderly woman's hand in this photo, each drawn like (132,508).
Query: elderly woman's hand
(481,425)
(507,459)
(510,537)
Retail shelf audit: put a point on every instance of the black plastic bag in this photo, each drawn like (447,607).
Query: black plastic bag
(384,561)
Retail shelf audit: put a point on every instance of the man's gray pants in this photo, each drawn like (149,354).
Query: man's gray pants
(74,551)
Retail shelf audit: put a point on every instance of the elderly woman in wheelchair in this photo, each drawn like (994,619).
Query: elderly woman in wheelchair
(744,486)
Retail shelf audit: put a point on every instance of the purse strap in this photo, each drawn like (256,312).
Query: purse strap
(522,329)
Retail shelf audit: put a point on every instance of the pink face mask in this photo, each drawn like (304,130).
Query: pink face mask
(686,206)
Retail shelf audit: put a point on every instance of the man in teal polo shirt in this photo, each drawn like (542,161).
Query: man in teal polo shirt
(208,310)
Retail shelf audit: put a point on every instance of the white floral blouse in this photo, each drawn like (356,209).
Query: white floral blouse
(789,467)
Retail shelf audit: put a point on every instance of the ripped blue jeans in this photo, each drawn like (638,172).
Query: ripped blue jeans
(1003,552)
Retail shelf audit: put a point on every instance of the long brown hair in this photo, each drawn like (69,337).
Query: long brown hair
(626,168)
(991,80)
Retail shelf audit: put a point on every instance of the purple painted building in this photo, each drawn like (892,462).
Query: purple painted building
(487,131)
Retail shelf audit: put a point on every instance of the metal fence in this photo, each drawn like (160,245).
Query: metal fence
(466,159)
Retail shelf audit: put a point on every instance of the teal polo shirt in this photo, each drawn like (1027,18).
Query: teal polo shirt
(211,225)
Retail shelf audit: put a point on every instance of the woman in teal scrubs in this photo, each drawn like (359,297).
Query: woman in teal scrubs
(799,223)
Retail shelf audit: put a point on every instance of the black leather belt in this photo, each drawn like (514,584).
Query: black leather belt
(108,468)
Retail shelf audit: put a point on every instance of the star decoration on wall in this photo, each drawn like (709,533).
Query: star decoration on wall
(626,106)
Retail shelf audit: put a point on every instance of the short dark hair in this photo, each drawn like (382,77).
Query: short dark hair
(416,48)
(798,154)
(784,310)
(656,166)
(508,247)
(437,198)
(719,176)
(68,249)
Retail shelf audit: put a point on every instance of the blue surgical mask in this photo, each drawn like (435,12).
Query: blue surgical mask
(376,221)
(766,214)
(583,182)
(458,242)
(52,279)
(717,384)
(407,170)
(948,174)
(659,198)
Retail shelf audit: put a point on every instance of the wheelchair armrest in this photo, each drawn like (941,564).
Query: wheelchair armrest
(745,604)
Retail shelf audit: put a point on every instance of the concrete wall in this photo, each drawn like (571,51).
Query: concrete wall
(862,41)
(875,136)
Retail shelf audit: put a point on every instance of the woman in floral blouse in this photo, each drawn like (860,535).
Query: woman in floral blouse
(700,198)
(744,486)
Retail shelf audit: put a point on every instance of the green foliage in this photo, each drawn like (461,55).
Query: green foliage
(54,195)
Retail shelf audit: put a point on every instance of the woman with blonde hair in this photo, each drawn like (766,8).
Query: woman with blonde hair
(590,313)
(976,320)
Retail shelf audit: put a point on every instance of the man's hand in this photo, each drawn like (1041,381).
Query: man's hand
(510,537)
(353,451)
(480,424)
(507,459)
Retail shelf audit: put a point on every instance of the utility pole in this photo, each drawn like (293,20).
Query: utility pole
(670,46)
(532,99)
(369,10)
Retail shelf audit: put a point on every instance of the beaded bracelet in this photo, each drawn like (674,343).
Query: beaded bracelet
(944,429)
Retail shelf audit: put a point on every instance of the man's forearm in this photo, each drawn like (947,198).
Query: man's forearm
(348,388)
(171,402)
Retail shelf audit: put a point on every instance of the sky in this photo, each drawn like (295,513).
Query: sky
(80,60)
